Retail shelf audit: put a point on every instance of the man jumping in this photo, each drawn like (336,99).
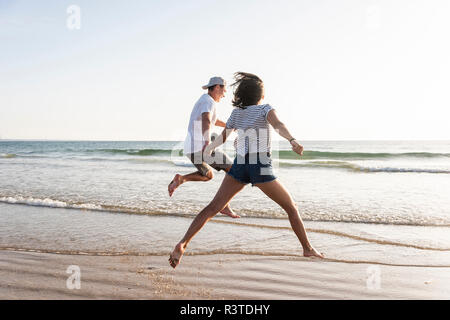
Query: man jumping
(203,116)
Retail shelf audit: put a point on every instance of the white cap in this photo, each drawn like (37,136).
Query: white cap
(213,81)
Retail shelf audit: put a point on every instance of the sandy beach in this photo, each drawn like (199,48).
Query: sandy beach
(35,275)
(122,256)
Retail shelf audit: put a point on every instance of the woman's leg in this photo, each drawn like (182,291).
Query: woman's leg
(229,188)
(227,210)
(280,195)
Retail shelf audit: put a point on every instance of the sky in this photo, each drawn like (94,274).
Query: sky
(133,70)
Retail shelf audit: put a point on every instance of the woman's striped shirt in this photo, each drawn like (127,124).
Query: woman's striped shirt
(254,133)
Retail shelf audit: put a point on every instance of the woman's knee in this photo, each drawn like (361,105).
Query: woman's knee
(291,208)
(209,175)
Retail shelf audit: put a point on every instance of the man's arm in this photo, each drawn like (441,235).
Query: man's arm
(206,126)
(220,139)
(220,123)
(280,127)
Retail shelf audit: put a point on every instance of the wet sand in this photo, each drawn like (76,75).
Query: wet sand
(35,275)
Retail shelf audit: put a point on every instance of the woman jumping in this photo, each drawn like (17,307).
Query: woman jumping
(252,163)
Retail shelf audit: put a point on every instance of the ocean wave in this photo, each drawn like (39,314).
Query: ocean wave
(51,203)
(281,154)
(325,164)
(7,155)
(140,152)
(288,154)
(358,168)
(364,219)
(311,155)
(181,161)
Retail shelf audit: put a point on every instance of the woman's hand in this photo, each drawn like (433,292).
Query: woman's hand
(279,127)
(297,147)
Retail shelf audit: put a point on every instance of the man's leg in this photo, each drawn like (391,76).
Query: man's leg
(204,173)
(194,176)
(197,176)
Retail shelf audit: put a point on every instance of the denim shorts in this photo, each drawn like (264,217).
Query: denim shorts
(254,168)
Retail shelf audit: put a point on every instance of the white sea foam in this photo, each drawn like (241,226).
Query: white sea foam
(48,203)
(361,167)
(7,155)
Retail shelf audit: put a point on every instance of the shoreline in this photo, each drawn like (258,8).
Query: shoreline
(125,257)
(212,253)
(32,275)
(84,232)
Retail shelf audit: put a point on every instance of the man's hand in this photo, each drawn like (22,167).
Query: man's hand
(296,147)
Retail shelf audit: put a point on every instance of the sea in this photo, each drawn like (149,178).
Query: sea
(378,202)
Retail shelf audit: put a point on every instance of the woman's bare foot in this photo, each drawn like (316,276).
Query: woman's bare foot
(175,256)
(227,211)
(175,183)
(311,252)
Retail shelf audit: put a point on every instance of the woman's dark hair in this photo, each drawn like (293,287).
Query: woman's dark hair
(248,91)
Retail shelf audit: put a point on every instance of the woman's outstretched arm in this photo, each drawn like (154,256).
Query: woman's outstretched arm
(280,127)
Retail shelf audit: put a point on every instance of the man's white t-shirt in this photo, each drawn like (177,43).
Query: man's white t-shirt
(194,140)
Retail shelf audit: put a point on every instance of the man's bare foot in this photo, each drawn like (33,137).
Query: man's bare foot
(311,252)
(175,256)
(227,211)
(175,183)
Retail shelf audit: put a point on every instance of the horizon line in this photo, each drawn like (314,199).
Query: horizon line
(127,140)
